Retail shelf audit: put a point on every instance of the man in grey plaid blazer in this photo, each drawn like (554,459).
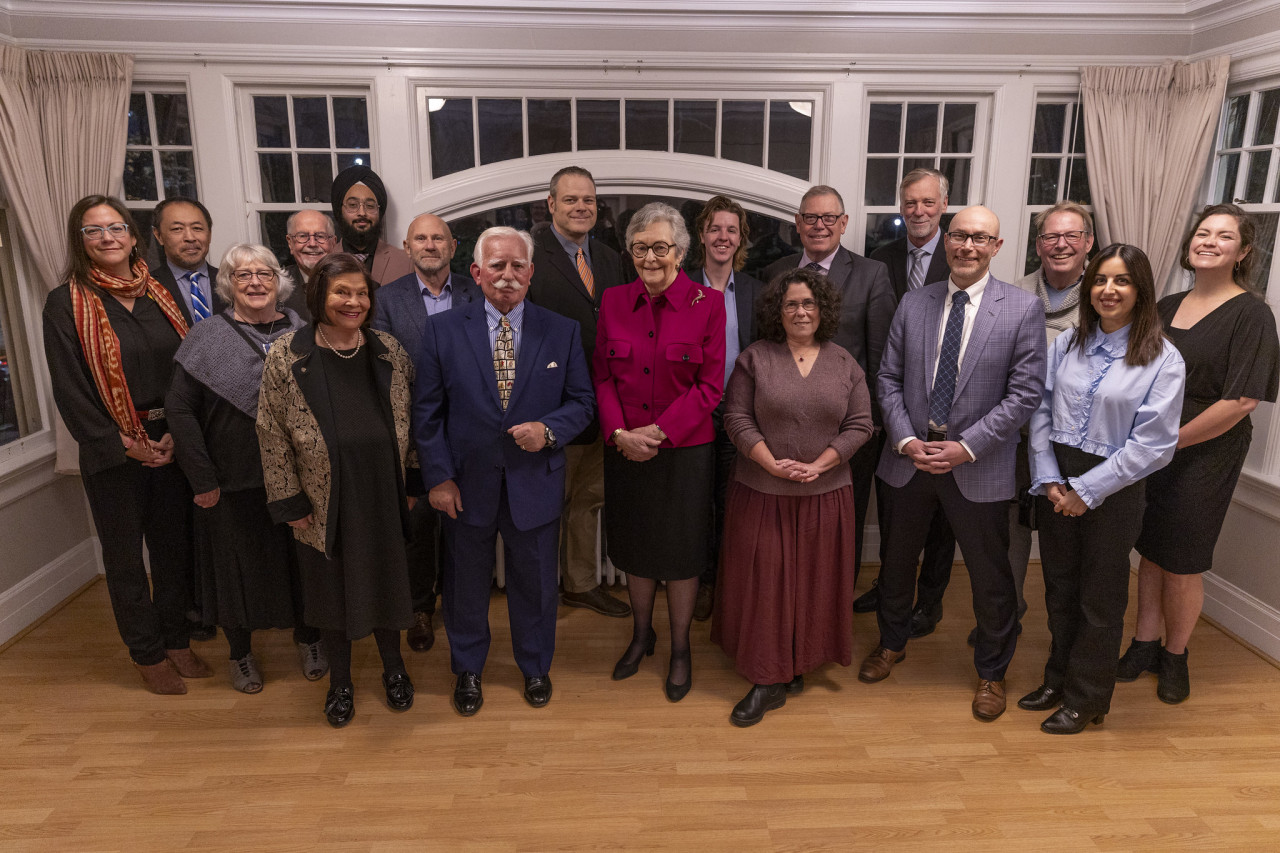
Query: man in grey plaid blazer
(983,341)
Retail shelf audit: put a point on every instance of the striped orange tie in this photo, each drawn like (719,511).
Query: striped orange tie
(585,272)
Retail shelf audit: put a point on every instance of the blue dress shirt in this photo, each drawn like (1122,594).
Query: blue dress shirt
(494,317)
(437,304)
(1093,400)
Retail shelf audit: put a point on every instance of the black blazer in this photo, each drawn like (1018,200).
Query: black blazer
(162,274)
(557,286)
(894,255)
(746,293)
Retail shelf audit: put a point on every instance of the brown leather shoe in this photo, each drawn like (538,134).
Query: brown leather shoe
(877,665)
(988,701)
(598,600)
(188,664)
(422,635)
(162,678)
(705,602)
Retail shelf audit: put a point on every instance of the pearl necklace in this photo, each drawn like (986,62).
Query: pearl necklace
(333,349)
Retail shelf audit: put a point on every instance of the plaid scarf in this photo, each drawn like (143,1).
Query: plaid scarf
(102,347)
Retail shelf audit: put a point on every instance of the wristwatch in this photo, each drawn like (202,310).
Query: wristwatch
(550,437)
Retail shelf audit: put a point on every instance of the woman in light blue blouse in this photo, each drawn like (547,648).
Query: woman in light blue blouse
(1109,417)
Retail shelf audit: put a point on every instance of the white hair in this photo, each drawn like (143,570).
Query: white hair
(497,232)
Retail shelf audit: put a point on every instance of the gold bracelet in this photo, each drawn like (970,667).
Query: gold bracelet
(614,436)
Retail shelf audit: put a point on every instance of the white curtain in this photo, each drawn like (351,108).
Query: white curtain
(63,128)
(1149,132)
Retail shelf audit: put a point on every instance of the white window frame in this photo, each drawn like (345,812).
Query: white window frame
(1065,158)
(149,90)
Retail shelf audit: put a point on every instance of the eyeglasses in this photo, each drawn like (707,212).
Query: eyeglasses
(246,276)
(827,218)
(660,250)
(1072,237)
(304,237)
(809,305)
(958,238)
(96,232)
(355,205)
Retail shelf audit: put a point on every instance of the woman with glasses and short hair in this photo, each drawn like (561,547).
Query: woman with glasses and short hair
(110,333)
(658,369)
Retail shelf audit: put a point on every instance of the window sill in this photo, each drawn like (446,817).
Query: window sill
(1260,493)
(26,465)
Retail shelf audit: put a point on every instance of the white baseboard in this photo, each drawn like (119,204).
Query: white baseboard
(27,601)
(1240,614)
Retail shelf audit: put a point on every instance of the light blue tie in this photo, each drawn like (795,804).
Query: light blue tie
(199,309)
(944,381)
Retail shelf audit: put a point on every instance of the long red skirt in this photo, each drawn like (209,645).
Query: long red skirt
(784,599)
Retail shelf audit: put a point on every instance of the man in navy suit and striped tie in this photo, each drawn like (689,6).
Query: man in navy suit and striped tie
(183,229)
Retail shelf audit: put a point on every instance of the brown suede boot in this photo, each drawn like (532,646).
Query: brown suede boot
(162,678)
(189,664)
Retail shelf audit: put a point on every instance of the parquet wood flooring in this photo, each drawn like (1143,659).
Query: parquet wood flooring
(89,761)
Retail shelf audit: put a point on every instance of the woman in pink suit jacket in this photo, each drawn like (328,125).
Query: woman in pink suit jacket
(658,369)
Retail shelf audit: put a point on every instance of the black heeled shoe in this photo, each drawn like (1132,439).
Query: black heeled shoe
(676,692)
(339,706)
(629,664)
(1065,721)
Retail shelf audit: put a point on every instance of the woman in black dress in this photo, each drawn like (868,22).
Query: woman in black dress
(1227,336)
(246,574)
(110,334)
(333,424)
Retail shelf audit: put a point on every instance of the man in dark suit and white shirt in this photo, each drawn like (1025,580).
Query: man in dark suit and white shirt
(182,228)
(570,274)
(866,310)
(402,308)
(914,261)
(962,371)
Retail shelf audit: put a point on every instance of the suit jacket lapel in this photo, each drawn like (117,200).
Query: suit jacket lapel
(841,268)
(932,320)
(527,355)
(477,326)
(417,310)
(164,275)
(560,260)
(982,326)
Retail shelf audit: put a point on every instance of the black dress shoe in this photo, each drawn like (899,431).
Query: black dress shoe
(924,619)
(761,698)
(629,664)
(467,697)
(399,691)
(1173,681)
(537,690)
(869,600)
(1065,721)
(705,602)
(422,635)
(1042,698)
(676,692)
(796,685)
(339,706)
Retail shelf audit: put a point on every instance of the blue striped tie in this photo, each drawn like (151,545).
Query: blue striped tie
(199,310)
(944,381)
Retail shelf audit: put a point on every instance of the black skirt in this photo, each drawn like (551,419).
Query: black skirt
(658,513)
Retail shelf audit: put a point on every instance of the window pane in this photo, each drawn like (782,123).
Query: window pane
(178,168)
(957,171)
(315,177)
(882,181)
(695,130)
(1078,191)
(353,158)
(452,135)
(922,128)
(1043,186)
(173,125)
(350,123)
(1237,112)
(139,176)
(1033,260)
(1228,167)
(909,163)
(550,127)
(1077,114)
(1269,106)
(1256,182)
(599,126)
(1048,134)
(790,138)
(647,125)
(271,118)
(501,130)
(139,128)
(884,128)
(742,132)
(1265,246)
(271,224)
(276,171)
(882,228)
(958,121)
(311,122)
(142,218)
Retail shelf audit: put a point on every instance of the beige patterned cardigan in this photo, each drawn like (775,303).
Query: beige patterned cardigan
(293,419)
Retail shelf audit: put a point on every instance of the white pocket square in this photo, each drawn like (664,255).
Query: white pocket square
(551,365)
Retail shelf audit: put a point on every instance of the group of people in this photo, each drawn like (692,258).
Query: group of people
(329,447)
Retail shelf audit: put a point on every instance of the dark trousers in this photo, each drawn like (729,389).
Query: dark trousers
(725,452)
(939,552)
(532,591)
(982,529)
(132,504)
(862,467)
(1086,587)
(421,554)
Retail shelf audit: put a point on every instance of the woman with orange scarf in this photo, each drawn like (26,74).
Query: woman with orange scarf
(110,333)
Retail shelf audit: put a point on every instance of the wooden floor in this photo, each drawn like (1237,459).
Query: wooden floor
(89,761)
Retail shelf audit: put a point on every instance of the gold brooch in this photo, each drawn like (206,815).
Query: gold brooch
(697,297)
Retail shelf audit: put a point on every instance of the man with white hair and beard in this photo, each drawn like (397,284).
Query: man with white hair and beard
(310,236)
(502,385)
(359,201)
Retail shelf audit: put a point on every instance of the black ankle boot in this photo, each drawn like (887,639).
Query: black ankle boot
(761,698)
(1174,684)
(1141,656)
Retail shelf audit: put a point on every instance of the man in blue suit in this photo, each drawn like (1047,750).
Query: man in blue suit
(962,370)
(402,308)
(502,385)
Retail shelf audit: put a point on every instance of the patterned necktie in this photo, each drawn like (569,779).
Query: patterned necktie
(944,381)
(199,309)
(915,279)
(585,272)
(504,362)
(814,266)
